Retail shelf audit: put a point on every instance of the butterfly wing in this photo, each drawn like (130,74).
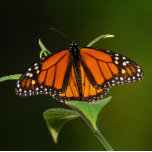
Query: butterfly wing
(88,94)
(72,92)
(49,76)
(105,68)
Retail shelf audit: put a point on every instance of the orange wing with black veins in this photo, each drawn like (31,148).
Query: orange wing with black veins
(105,68)
(49,76)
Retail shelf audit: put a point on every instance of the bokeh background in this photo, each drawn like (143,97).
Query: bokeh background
(126,121)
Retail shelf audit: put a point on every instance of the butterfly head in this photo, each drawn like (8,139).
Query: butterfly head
(74,48)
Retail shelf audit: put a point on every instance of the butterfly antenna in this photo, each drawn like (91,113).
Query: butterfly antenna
(57,31)
(86,28)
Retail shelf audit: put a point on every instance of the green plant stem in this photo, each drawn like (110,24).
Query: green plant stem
(96,132)
(10,77)
(103,140)
(101,37)
(45,52)
(43,49)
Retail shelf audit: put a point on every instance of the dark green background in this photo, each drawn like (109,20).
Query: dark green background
(126,121)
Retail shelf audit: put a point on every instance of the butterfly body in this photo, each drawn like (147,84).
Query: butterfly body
(75,59)
(84,74)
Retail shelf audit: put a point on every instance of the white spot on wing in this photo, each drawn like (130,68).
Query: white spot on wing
(121,78)
(30,75)
(18,85)
(124,64)
(27,74)
(139,70)
(117,58)
(36,68)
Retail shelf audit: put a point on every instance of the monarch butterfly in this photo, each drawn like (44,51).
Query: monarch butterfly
(78,73)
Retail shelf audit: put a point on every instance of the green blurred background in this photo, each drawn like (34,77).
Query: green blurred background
(126,121)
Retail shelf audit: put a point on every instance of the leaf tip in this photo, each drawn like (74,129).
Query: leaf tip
(39,41)
(109,36)
(54,134)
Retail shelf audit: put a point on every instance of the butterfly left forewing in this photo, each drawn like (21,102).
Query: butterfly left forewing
(48,76)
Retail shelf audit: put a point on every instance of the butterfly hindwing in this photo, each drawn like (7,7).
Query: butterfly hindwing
(89,93)
(72,91)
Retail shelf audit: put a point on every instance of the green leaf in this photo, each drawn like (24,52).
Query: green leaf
(10,77)
(43,49)
(55,119)
(101,37)
(42,45)
(89,111)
